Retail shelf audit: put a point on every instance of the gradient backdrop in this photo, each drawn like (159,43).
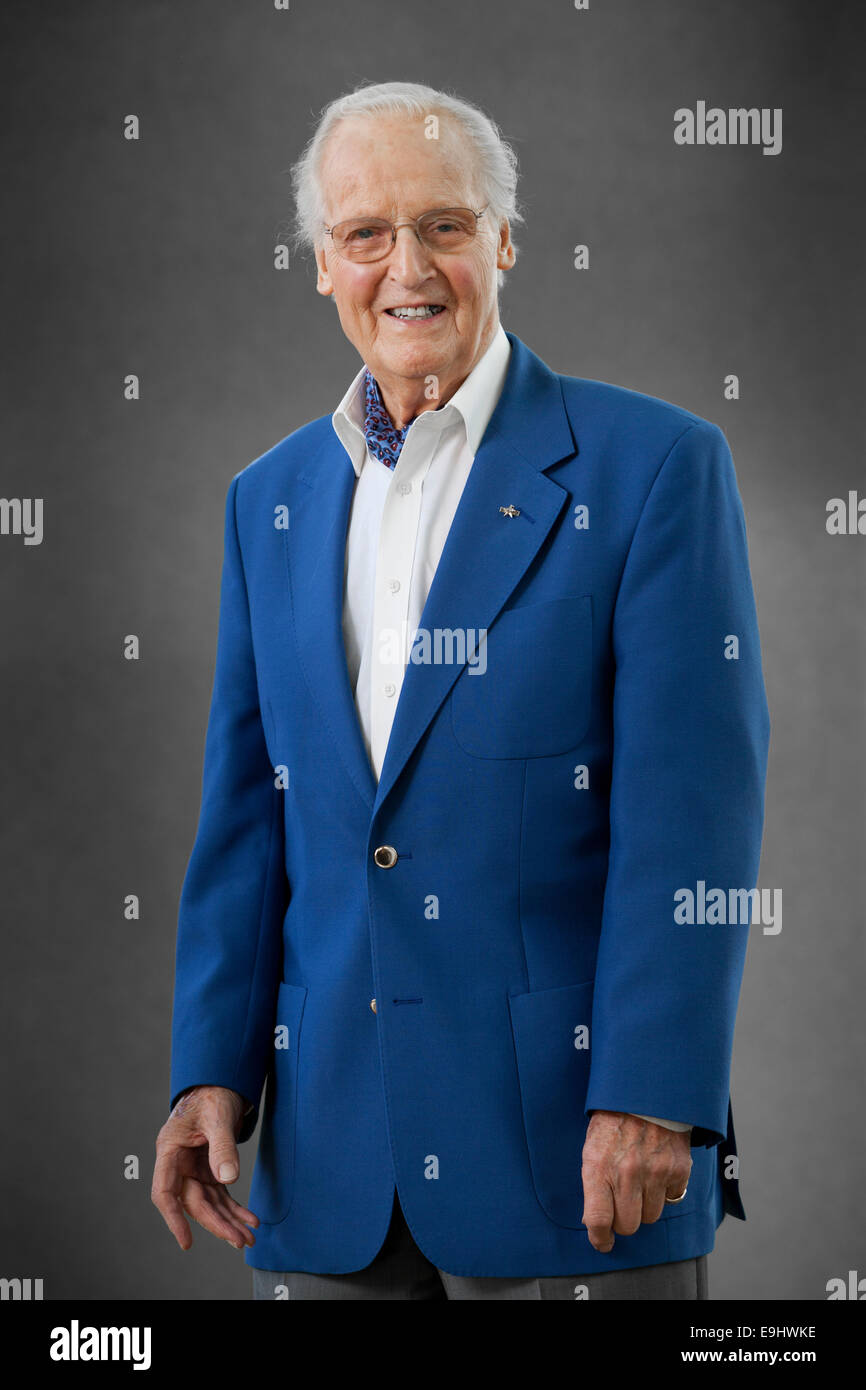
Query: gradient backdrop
(156,257)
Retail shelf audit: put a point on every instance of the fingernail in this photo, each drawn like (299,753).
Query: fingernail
(227,1172)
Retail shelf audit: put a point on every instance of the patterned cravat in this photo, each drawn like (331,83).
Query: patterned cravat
(384,440)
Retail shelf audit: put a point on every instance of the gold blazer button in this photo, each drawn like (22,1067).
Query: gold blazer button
(385,856)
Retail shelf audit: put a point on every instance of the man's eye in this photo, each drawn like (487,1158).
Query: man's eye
(363,233)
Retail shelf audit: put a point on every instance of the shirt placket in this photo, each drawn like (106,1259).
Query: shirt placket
(395,558)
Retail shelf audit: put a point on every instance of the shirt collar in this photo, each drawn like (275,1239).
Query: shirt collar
(472,404)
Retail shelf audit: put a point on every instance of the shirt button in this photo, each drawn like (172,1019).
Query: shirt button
(385,856)
(394,585)
(389,688)
(404,488)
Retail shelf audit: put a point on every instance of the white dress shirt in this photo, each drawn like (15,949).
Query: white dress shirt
(399,522)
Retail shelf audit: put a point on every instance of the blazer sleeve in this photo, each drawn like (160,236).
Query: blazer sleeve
(234,894)
(690,744)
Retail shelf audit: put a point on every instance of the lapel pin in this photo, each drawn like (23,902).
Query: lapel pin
(510,511)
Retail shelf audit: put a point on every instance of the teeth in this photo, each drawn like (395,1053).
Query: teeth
(425,311)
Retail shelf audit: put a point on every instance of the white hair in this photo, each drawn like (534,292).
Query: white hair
(496,161)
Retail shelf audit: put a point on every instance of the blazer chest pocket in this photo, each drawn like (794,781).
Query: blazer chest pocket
(272,1186)
(528,694)
(551,1031)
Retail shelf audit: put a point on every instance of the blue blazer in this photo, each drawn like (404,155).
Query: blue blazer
(522,948)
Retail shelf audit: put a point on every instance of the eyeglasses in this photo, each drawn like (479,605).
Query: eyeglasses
(371,238)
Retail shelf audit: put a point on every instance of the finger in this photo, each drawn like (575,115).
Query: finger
(242,1234)
(628,1202)
(164,1194)
(222,1151)
(676,1188)
(171,1210)
(223,1202)
(239,1234)
(598,1212)
(677,1181)
(653,1202)
(207,1215)
(667,1181)
(243,1213)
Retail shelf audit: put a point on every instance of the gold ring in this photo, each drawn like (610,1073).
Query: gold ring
(672,1201)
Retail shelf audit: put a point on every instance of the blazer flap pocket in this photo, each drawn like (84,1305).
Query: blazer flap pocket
(273,1177)
(551,1029)
(290,1009)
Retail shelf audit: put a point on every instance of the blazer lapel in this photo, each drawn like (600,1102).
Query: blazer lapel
(316,554)
(486,554)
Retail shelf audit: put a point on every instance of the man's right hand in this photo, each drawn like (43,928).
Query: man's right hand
(196,1157)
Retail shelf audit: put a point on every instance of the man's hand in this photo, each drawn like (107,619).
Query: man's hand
(630,1167)
(196,1155)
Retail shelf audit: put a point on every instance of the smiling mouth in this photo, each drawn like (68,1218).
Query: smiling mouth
(422,311)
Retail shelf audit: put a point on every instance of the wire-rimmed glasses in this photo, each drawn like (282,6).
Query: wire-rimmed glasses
(371,238)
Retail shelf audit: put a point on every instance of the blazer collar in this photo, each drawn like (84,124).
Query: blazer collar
(473,403)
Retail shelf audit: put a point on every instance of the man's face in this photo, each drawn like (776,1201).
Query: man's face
(385,167)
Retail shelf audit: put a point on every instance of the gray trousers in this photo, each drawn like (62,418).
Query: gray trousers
(401,1271)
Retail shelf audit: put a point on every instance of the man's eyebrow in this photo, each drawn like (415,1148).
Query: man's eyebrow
(437,207)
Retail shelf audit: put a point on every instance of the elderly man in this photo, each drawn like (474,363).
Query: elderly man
(487,702)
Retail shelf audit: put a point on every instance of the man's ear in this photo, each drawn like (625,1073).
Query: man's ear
(505,253)
(324,283)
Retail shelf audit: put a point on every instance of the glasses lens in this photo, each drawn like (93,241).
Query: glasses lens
(362,240)
(448,230)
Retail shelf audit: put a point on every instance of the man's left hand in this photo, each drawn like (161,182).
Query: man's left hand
(630,1167)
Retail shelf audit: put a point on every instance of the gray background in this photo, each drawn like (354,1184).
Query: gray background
(156,257)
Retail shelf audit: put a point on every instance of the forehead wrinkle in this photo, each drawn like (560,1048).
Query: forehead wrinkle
(346,189)
(416,195)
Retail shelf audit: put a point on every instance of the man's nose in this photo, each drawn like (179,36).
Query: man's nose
(409,259)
